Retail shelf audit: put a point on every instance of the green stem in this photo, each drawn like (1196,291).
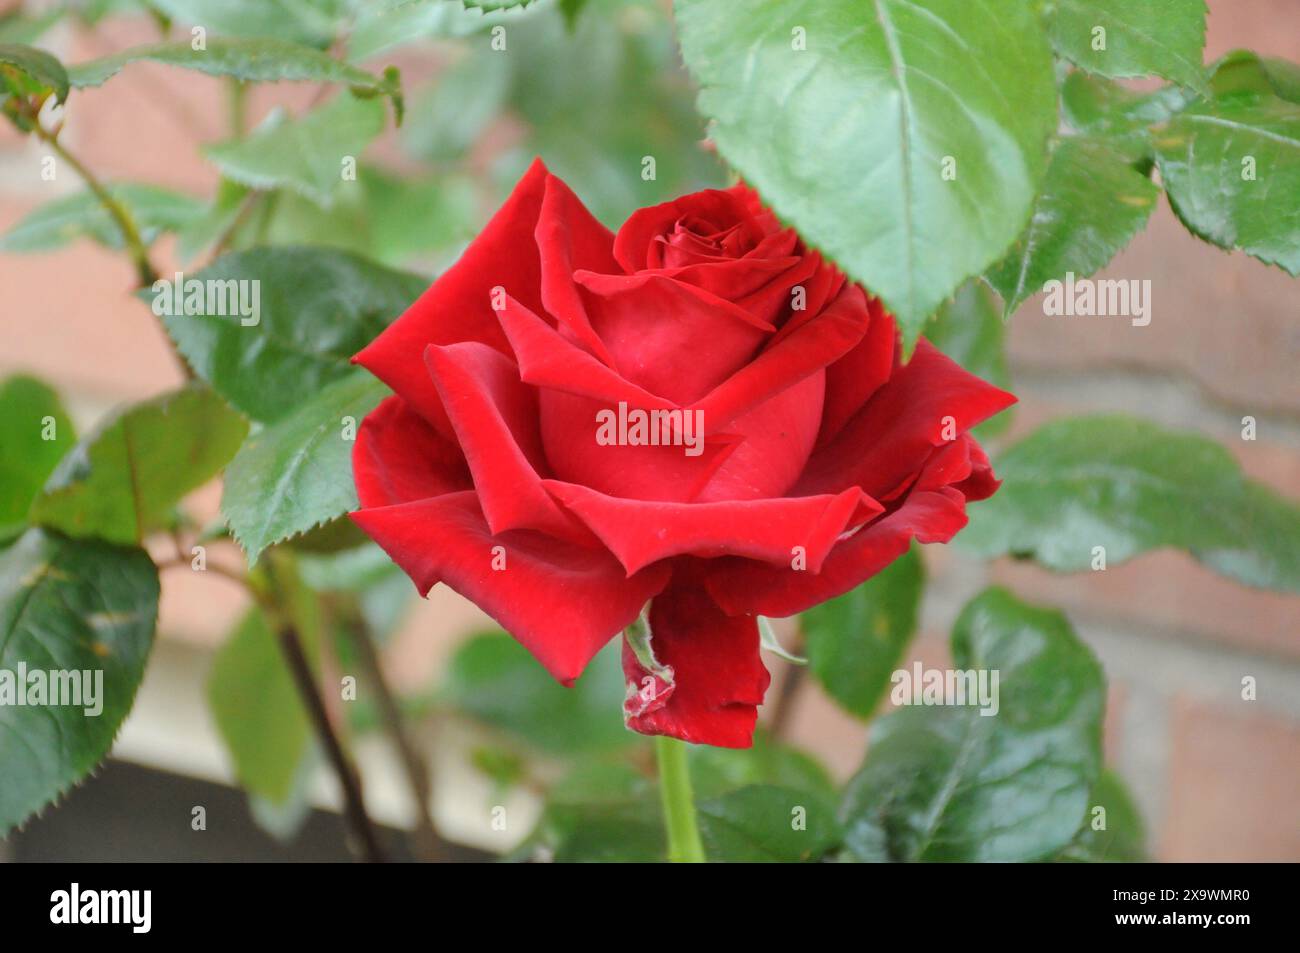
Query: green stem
(684,846)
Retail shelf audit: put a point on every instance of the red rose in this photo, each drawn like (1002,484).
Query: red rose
(698,412)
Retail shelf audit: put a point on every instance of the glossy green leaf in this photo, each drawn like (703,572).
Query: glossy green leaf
(35,433)
(55,224)
(317,308)
(494,679)
(854,642)
(27,71)
(1112,831)
(1092,203)
(846,116)
(1129,486)
(257,710)
(67,606)
(259,60)
(766,824)
(309,155)
(123,479)
(970,330)
(1110,110)
(1119,38)
(947,783)
(1230,165)
(381,26)
(296,474)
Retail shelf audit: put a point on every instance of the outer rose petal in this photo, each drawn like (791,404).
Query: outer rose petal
(641,532)
(743,586)
(887,442)
(458,306)
(399,458)
(561,601)
(718,678)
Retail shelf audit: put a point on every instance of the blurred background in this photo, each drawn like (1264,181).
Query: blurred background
(1216,777)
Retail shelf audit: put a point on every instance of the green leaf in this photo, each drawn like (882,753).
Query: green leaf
(848,139)
(614,80)
(765,824)
(81,214)
(494,679)
(946,783)
(1130,486)
(314,22)
(1110,110)
(1227,165)
(305,154)
(1245,72)
(1141,37)
(1264,549)
(296,474)
(855,641)
(259,60)
(35,432)
(380,27)
(1092,204)
(599,813)
(122,480)
(257,710)
(27,71)
(717,771)
(457,106)
(387,219)
(317,307)
(969,329)
(1113,834)
(69,606)
(491,6)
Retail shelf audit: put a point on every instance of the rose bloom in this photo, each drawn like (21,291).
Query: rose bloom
(820,457)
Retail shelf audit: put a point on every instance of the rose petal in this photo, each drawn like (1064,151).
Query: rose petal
(561,601)
(718,678)
(816,344)
(569,238)
(852,379)
(674,339)
(744,586)
(640,532)
(494,415)
(398,458)
(890,438)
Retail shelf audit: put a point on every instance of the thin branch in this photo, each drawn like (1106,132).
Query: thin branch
(354,806)
(427,842)
(144,269)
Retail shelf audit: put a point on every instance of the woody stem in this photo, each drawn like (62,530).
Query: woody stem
(684,846)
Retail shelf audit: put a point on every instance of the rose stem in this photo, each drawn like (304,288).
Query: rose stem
(684,844)
(354,807)
(427,844)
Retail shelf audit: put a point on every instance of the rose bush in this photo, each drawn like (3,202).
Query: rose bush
(823,454)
